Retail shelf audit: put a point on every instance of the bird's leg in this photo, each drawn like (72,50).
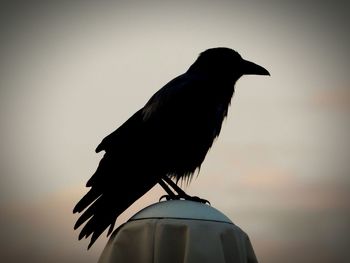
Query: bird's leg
(181,193)
(170,194)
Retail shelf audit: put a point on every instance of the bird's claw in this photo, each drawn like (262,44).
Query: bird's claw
(197,199)
(187,197)
(167,197)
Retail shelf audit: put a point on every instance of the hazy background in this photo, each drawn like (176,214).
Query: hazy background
(72,73)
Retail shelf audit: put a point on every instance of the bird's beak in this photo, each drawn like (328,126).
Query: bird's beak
(250,68)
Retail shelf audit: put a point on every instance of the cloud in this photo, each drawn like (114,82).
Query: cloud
(332,98)
(42,230)
(285,178)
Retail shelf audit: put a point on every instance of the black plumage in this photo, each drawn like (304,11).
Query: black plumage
(168,138)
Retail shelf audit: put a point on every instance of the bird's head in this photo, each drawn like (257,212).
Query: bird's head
(225,63)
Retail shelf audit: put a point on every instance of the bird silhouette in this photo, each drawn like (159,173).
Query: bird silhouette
(165,140)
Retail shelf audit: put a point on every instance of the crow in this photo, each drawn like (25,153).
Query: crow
(165,140)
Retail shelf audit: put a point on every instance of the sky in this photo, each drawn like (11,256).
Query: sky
(72,73)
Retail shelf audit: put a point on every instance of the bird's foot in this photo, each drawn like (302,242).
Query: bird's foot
(184,197)
(197,199)
(167,197)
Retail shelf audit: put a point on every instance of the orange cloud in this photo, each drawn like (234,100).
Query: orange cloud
(334,98)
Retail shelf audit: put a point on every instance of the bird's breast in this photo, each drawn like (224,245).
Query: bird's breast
(187,137)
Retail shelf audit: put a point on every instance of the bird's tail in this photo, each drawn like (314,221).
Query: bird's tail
(103,205)
(100,214)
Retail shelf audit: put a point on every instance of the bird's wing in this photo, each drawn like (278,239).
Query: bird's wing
(160,105)
(117,182)
(125,131)
(175,97)
(121,178)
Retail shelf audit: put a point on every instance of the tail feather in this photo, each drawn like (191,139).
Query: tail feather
(122,176)
(114,187)
(98,217)
(87,199)
(86,215)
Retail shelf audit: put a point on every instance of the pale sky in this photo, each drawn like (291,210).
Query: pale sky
(71,74)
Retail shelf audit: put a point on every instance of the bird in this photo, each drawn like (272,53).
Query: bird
(164,142)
